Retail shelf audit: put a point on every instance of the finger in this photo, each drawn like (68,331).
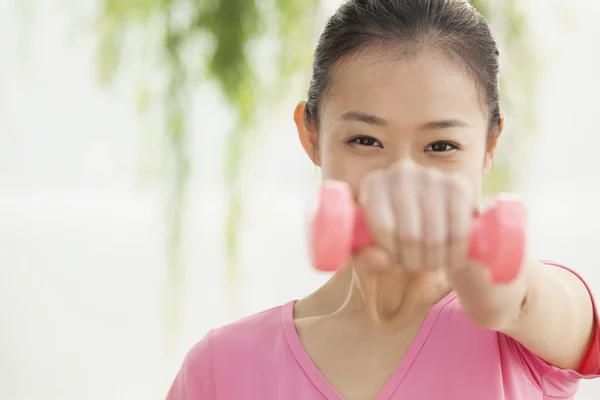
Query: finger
(374,199)
(405,201)
(460,219)
(435,219)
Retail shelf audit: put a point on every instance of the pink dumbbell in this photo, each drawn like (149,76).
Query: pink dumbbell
(338,229)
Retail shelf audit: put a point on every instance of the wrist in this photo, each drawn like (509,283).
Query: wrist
(496,307)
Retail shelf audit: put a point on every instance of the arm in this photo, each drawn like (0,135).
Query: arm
(556,320)
(547,309)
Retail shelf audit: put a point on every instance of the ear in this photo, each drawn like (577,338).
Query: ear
(492,145)
(308,136)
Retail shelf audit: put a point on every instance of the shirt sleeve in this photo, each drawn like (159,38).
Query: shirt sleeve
(195,379)
(554,381)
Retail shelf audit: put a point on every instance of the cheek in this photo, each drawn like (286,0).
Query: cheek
(339,164)
(470,166)
(475,173)
(476,181)
(334,161)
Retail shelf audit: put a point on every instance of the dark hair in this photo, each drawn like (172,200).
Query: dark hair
(453,27)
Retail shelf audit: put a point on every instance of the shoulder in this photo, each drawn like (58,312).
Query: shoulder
(235,346)
(248,331)
(253,329)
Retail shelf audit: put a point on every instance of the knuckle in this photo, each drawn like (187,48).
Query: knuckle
(459,250)
(384,230)
(403,171)
(435,229)
(433,183)
(458,185)
(367,182)
(408,240)
(434,176)
(369,187)
(435,241)
(406,164)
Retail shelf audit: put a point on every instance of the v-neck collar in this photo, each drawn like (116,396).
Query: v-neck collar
(312,372)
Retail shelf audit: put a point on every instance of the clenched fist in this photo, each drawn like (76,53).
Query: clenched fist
(419,217)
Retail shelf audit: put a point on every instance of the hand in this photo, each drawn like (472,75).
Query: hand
(419,218)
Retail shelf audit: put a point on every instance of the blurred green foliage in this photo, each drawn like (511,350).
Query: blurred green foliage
(518,87)
(220,34)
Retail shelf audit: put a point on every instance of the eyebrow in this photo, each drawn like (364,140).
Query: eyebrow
(370,119)
(444,124)
(363,117)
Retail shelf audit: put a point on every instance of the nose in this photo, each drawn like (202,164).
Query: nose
(402,152)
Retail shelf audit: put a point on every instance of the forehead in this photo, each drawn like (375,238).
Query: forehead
(410,90)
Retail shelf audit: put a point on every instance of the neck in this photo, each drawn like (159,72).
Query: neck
(379,297)
(385,297)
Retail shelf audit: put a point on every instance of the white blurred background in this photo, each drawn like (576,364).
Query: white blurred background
(82,238)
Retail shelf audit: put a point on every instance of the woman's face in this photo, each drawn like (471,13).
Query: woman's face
(378,112)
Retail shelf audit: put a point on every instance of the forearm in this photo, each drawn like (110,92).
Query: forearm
(547,309)
(556,319)
(492,306)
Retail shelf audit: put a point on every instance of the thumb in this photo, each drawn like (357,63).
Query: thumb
(472,280)
(372,258)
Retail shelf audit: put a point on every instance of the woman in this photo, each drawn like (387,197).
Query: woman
(404,107)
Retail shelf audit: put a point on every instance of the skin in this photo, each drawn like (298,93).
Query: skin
(411,139)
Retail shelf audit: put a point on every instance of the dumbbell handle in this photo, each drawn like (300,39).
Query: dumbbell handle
(499,248)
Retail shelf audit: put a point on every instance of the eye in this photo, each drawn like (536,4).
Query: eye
(442,147)
(365,141)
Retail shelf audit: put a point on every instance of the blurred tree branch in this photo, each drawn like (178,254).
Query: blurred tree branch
(229,29)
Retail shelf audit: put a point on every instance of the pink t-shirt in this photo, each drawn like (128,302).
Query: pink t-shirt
(261,358)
